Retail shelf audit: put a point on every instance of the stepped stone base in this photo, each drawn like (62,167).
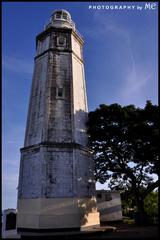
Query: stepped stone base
(53,214)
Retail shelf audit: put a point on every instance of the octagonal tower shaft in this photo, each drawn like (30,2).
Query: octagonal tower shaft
(58,103)
(56,165)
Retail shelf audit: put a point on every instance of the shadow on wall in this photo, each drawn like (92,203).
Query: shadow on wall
(80,127)
(86,206)
(85,173)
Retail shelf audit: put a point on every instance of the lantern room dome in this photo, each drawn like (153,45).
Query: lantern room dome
(61,15)
(61,19)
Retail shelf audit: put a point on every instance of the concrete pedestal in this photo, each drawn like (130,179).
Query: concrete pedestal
(56,214)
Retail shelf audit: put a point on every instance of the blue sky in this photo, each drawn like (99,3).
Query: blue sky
(120,55)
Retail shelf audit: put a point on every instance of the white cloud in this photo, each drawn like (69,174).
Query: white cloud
(135,84)
(134,76)
(17,65)
(13,135)
(9,190)
(12,162)
(135,80)
(12,141)
(10,179)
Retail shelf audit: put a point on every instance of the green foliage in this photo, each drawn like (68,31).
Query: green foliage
(151,204)
(125,141)
(127,200)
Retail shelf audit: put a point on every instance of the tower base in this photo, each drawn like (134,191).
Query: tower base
(47,215)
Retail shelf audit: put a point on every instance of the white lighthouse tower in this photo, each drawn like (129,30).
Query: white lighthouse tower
(56,184)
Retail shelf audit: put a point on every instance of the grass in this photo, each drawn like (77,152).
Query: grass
(128,220)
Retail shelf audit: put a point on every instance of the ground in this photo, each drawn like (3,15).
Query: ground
(123,231)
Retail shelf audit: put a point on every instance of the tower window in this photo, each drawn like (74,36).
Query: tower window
(99,195)
(108,197)
(60,92)
(58,15)
(65,16)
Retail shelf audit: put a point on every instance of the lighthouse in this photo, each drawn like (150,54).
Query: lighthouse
(56,189)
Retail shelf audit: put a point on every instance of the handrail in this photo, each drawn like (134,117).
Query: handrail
(70,22)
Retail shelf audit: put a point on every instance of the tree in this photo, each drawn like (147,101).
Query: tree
(125,145)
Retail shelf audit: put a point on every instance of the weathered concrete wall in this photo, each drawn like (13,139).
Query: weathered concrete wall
(79,94)
(60,119)
(56,172)
(59,112)
(84,173)
(52,117)
(76,47)
(55,162)
(43,45)
(37,106)
(30,178)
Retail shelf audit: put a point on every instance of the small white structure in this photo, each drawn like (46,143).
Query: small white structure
(9,223)
(109,205)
